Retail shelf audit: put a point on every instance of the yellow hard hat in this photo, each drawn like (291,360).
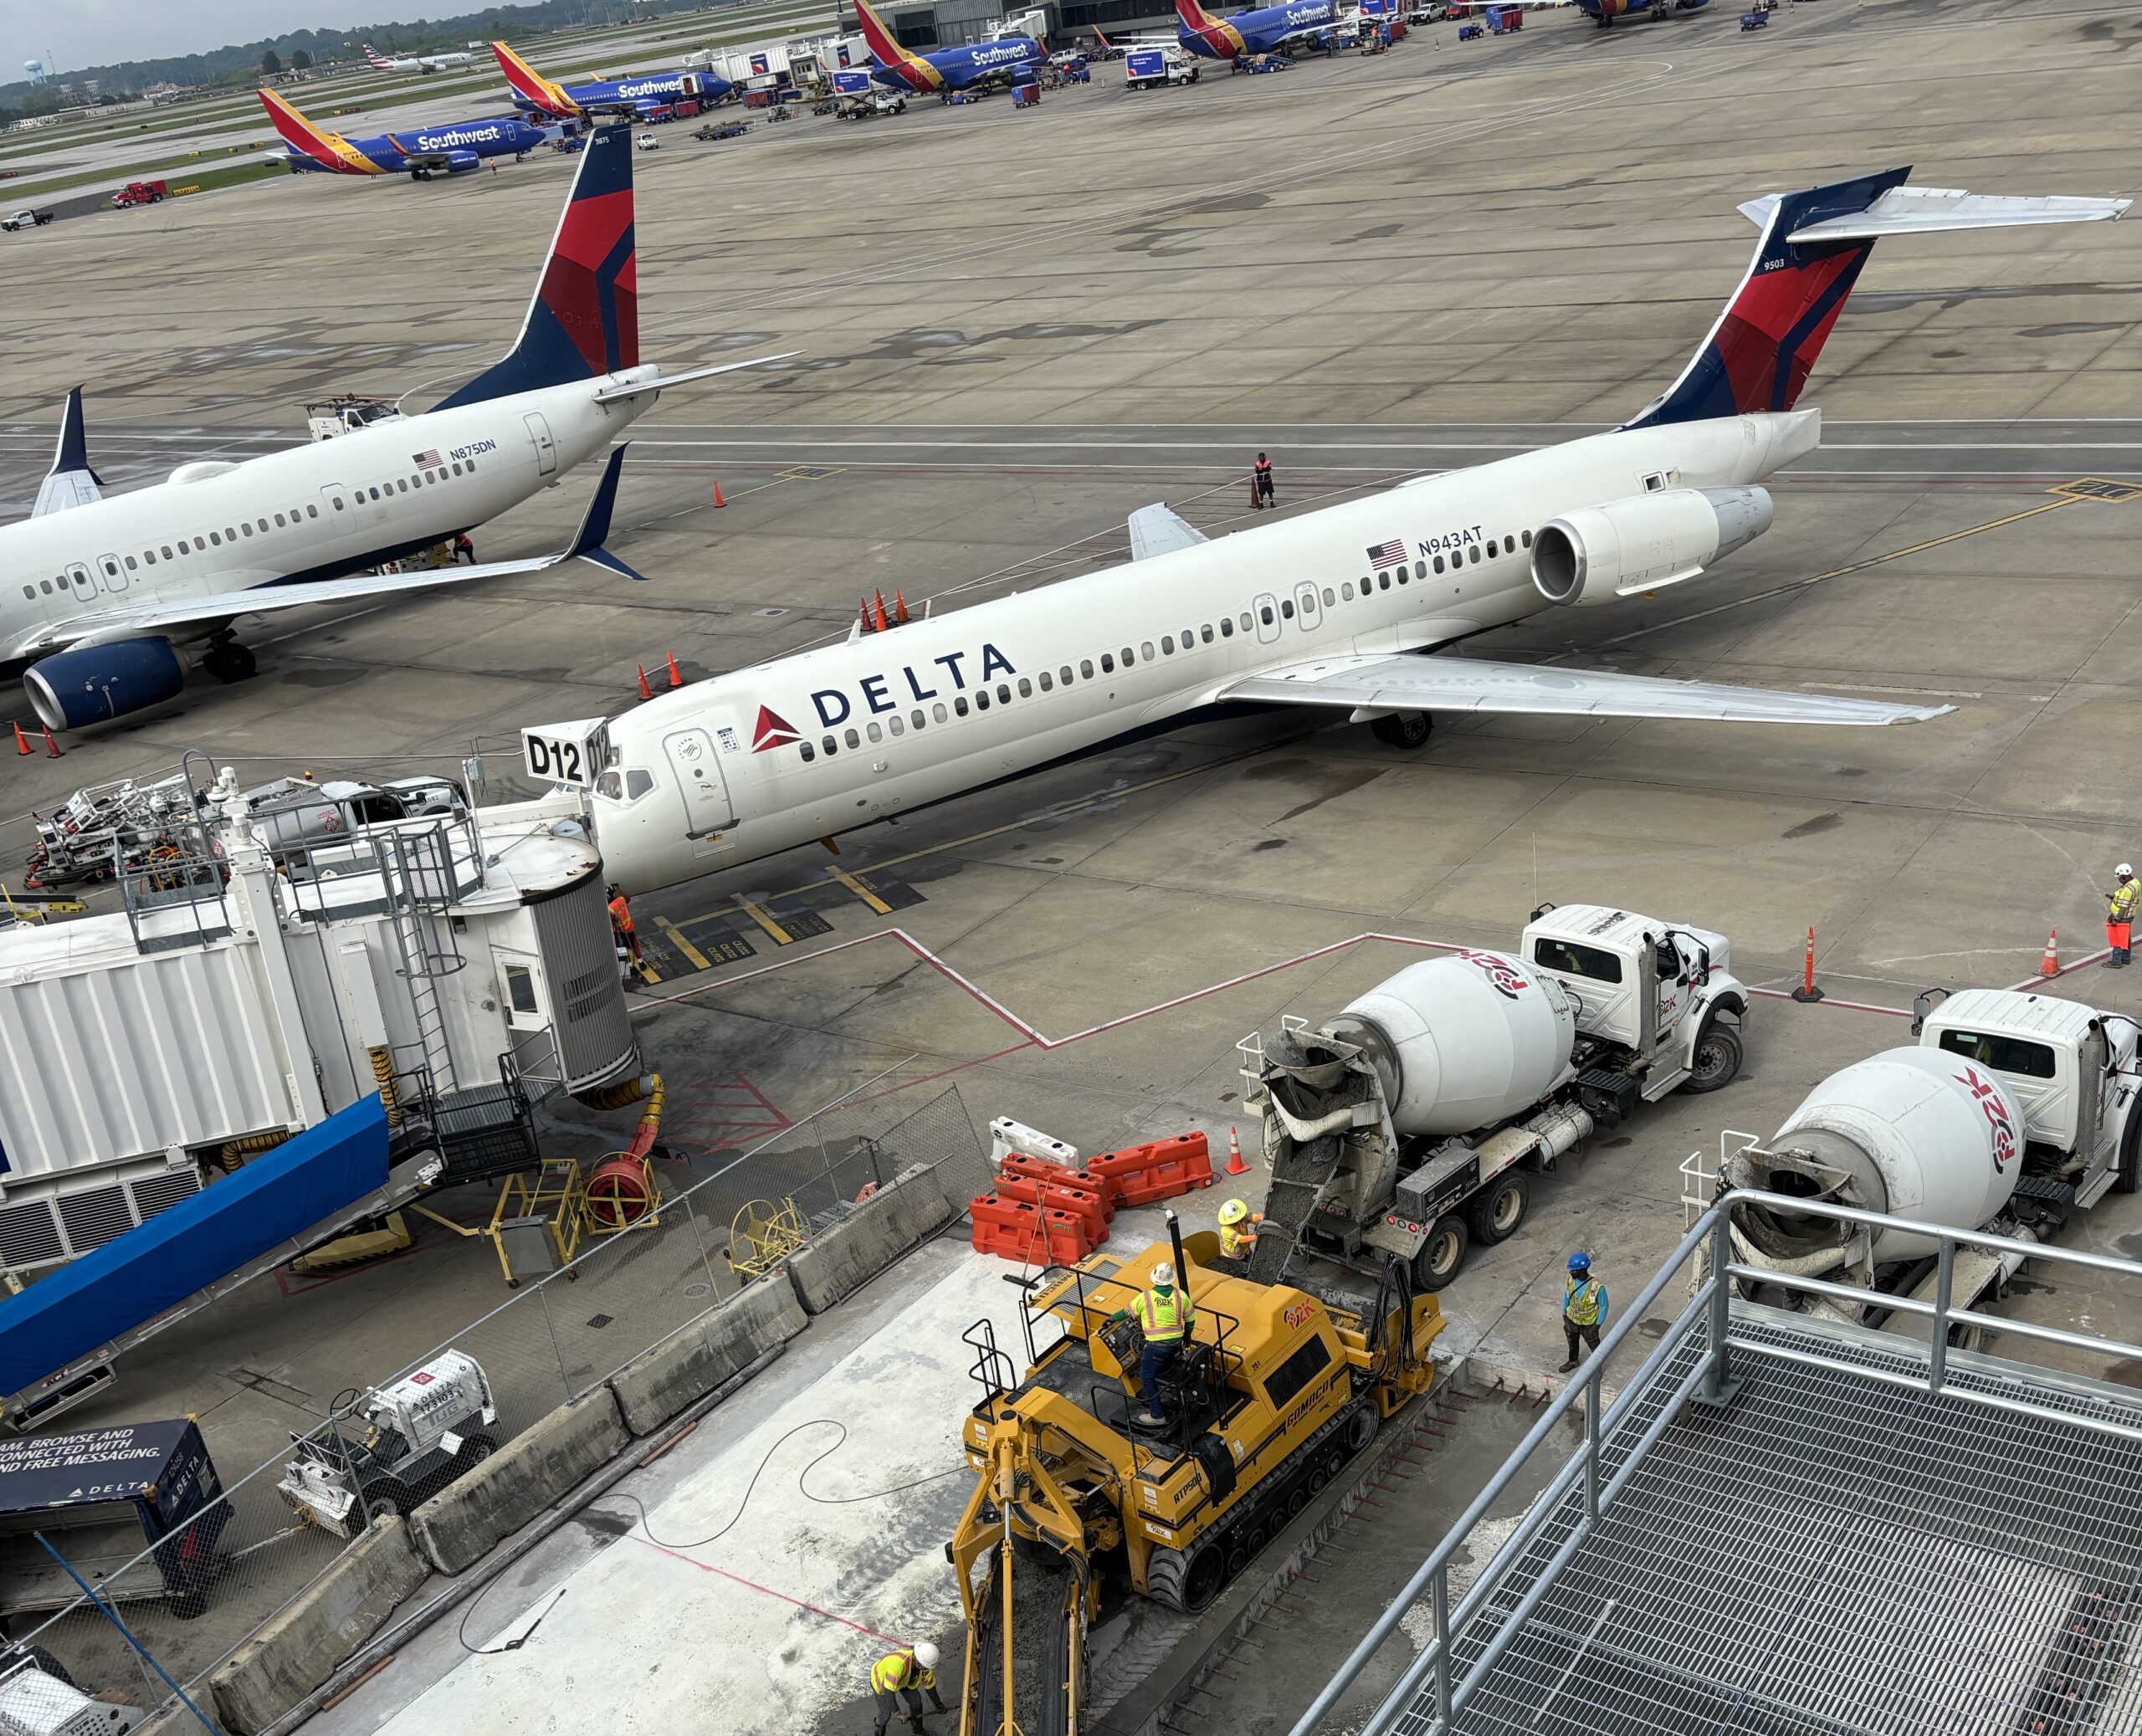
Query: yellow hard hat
(1233,1212)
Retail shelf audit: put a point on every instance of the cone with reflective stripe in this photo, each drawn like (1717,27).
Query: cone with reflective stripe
(675,679)
(899,610)
(884,624)
(1236,1164)
(2049,966)
(21,743)
(645,691)
(52,750)
(867,626)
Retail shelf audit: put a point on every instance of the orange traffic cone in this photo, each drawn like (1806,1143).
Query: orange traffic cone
(899,609)
(867,626)
(2049,966)
(645,691)
(1236,1166)
(718,500)
(884,625)
(675,679)
(52,750)
(22,745)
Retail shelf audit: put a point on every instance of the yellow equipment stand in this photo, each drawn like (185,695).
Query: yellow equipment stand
(762,1235)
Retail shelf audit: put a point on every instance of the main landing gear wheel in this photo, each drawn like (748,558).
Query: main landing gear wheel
(1403,728)
(227,660)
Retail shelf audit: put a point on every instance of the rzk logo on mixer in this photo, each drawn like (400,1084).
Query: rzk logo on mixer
(1997,1114)
(1500,971)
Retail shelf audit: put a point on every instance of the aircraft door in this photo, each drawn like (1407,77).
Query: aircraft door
(1266,610)
(546,448)
(707,807)
(115,575)
(79,576)
(1305,606)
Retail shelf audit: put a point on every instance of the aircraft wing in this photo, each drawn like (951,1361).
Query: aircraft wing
(1156,530)
(103,627)
(1372,684)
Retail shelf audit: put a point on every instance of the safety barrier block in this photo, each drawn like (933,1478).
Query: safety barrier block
(493,1499)
(1090,1208)
(1036,1168)
(1033,1235)
(838,1261)
(1162,1169)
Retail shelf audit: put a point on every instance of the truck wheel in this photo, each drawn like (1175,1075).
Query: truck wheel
(1497,1211)
(1717,1058)
(1188,1582)
(388,1496)
(1442,1253)
(2130,1156)
(1409,729)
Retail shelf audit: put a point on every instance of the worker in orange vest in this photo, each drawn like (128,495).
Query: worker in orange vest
(621,922)
(1260,493)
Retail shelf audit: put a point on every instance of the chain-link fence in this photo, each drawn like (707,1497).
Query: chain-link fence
(171,1584)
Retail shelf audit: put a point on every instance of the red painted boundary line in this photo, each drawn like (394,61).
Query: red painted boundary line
(764,1591)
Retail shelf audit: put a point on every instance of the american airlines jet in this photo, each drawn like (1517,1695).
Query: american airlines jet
(97,595)
(1333,609)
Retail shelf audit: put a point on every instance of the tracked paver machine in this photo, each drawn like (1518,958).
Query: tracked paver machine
(1078,1504)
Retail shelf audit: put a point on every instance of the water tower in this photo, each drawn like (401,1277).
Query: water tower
(35,68)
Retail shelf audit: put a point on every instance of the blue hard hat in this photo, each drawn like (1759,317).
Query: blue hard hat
(1579,1262)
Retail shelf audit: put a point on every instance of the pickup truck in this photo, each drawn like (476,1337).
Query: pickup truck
(25,219)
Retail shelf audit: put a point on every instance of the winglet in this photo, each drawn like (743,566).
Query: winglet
(70,482)
(595,526)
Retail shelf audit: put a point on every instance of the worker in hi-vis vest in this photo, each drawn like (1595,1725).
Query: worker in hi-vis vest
(899,1679)
(1165,1315)
(1239,1229)
(2120,916)
(1583,1309)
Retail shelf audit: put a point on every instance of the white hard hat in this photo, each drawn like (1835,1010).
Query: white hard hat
(2125,870)
(1163,1274)
(926,1654)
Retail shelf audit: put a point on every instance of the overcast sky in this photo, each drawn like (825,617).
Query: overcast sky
(69,33)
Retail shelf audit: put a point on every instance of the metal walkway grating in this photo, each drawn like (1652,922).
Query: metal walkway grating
(1830,1555)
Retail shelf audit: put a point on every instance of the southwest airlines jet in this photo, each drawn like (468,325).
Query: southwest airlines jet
(1259,31)
(1333,610)
(420,152)
(943,69)
(634,96)
(97,595)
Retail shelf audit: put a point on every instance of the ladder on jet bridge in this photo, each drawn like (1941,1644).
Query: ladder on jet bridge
(418,868)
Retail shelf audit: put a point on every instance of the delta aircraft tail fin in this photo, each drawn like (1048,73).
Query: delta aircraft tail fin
(1814,244)
(584,321)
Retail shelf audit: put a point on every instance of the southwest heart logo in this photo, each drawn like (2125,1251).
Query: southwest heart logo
(772,729)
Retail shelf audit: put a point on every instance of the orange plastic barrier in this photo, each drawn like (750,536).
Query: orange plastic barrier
(1090,1208)
(1033,1235)
(1140,1174)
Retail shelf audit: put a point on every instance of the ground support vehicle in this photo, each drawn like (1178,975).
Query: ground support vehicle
(2014,1111)
(26,219)
(394,1447)
(140,192)
(1144,67)
(1409,1124)
(1077,1505)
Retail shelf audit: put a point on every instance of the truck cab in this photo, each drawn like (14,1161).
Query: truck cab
(1657,999)
(2074,1071)
(1142,67)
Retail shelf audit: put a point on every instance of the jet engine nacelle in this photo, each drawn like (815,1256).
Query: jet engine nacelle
(1599,553)
(460,162)
(92,683)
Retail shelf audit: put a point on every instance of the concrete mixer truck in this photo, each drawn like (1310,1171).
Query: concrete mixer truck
(1409,1124)
(2013,1111)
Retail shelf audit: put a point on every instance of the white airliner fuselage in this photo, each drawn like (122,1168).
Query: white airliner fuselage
(309,512)
(892,721)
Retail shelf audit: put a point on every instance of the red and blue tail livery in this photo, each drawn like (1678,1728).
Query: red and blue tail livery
(420,152)
(1258,31)
(639,94)
(952,68)
(584,321)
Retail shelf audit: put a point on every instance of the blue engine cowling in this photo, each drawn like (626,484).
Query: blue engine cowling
(72,690)
(460,162)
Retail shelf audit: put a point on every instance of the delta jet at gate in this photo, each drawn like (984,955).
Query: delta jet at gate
(1333,609)
(634,96)
(454,62)
(420,152)
(944,69)
(97,595)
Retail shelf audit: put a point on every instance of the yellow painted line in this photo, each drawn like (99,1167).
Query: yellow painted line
(700,959)
(648,972)
(764,918)
(861,891)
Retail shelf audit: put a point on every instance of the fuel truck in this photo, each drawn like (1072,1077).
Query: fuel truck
(2012,1112)
(1411,1122)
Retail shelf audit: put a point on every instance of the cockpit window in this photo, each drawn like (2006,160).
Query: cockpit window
(610,787)
(637,783)
(627,786)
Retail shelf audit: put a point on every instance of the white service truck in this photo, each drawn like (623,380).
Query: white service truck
(1409,1122)
(2013,1111)
(398,1447)
(1144,67)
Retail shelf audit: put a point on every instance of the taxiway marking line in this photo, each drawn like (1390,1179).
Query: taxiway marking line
(677,937)
(758,913)
(861,891)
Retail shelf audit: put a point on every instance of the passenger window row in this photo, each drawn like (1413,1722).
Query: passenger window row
(831,745)
(234,532)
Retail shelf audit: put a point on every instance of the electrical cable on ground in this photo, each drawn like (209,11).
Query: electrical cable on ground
(461,1632)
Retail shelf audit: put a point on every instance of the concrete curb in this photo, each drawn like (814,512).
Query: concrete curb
(301,1647)
(459,1524)
(1231,1620)
(896,1218)
(692,1362)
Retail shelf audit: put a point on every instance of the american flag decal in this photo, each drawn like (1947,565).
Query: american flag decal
(1388,553)
(426,460)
